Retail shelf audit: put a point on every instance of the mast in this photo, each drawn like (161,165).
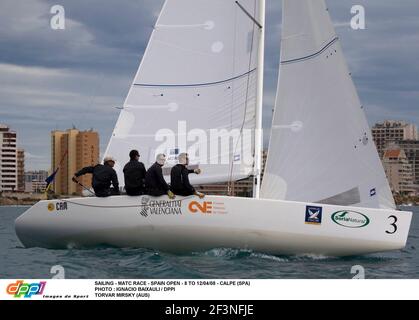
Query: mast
(259,102)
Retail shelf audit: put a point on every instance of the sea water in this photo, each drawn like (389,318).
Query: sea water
(104,262)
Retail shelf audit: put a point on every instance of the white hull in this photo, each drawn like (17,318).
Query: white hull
(271,226)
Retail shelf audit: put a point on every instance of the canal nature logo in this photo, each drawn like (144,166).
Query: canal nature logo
(350,219)
(27,290)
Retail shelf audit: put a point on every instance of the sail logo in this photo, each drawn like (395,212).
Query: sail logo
(373,192)
(173,155)
(350,219)
(20,289)
(314,215)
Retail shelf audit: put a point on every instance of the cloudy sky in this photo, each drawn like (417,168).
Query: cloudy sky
(54,79)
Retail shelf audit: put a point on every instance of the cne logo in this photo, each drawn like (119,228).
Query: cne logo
(205,207)
(27,290)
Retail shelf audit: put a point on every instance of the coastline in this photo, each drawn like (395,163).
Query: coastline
(17,202)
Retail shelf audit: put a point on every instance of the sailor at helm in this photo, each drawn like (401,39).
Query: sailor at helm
(102,177)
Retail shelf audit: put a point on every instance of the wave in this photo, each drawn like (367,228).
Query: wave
(232,253)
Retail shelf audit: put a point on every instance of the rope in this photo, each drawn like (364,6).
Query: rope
(230,182)
(120,207)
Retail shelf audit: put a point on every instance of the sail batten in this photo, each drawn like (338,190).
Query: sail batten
(321,149)
(311,56)
(196,84)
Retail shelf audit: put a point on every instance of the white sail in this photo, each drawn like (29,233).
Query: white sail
(321,149)
(195,90)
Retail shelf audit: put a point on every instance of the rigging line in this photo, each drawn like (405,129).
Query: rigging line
(249,15)
(234,68)
(119,207)
(311,56)
(230,182)
(193,85)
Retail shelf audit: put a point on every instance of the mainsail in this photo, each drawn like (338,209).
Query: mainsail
(195,90)
(321,149)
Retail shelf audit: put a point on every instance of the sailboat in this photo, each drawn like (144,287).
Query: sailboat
(324,190)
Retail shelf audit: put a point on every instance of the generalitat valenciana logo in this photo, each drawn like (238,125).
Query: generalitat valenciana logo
(27,290)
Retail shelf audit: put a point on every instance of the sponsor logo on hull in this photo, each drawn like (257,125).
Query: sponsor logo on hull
(58,206)
(350,219)
(207,207)
(160,207)
(314,215)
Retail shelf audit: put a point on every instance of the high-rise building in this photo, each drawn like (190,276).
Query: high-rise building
(411,148)
(20,170)
(398,170)
(72,150)
(389,132)
(35,181)
(8,159)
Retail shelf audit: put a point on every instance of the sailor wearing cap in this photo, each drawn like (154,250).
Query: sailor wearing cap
(103,176)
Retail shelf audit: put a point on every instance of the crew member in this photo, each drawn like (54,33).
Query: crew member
(179,177)
(102,178)
(154,181)
(134,175)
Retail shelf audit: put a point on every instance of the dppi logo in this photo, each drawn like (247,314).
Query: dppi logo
(205,207)
(27,290)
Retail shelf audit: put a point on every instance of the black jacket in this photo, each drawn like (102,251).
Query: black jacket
(134,175)
(154,179)
(103,176)
(179,180)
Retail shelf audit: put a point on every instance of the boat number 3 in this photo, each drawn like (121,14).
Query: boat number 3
(394,225)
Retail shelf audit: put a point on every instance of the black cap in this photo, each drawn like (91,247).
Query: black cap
(133,154)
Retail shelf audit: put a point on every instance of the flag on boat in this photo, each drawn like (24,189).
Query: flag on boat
(51,178)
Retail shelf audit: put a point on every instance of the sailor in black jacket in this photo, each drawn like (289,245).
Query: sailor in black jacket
(103,176)
(154,181)
(134,175)
(179,178)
